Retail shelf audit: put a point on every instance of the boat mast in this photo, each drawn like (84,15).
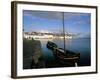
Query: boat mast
(63,29)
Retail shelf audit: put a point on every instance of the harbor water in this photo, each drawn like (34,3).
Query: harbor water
(79,45)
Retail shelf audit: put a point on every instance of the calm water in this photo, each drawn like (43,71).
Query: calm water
(81,46)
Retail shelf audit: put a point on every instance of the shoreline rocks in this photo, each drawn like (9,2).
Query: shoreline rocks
(32,53)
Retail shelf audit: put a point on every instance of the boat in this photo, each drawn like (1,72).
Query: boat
(63,56)
(66,56)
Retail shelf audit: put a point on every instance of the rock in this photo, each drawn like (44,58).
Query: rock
(32,52)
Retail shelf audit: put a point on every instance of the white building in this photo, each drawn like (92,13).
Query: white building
(38,36)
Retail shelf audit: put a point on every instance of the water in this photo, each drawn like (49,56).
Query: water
(81,46)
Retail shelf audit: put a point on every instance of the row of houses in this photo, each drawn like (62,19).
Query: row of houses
(45,36)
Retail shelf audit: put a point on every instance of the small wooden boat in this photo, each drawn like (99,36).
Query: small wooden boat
(63,56)
(66,56)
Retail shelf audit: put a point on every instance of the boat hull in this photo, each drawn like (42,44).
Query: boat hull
(63,56)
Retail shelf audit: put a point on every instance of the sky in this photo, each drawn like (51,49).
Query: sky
(49,21)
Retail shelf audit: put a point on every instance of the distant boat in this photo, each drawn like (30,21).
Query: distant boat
(64,56)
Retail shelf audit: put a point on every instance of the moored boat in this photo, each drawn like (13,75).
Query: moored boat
(66,56)
(63,56)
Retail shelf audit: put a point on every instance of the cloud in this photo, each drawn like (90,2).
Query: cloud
(43,14)
(78,18)
(82,22)
(71,18)
(53,15)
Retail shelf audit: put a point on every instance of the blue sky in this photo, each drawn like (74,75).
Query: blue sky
(47,21)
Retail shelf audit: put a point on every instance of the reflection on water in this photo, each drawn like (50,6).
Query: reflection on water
(81,46)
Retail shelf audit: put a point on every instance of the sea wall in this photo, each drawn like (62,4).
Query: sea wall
(32,53)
